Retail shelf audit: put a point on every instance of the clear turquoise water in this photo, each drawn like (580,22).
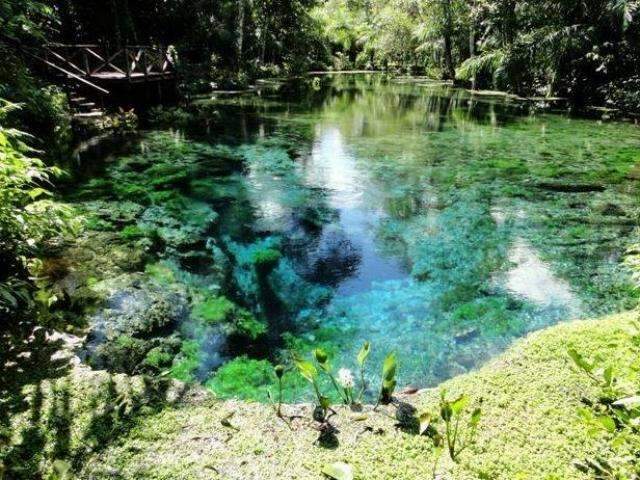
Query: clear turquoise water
(410,215)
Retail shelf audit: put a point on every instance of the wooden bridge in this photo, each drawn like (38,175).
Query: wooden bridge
(95,67)
(94,75)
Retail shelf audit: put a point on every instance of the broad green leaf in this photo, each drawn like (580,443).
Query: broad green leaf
(607,374)
(475,418)
(459,404)
(338,471)
(38,192)
(307,370)
(445,411)
(364,353)
(580,361)
(389,367)
(389,385)
(606,423)
(425,420)
(62,469)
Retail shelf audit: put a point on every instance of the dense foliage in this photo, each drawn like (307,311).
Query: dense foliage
(587,51)
(228,42)
(29,219)
(44,106)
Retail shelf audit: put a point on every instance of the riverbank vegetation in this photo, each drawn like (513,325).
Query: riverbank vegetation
(533,401)
(586,52)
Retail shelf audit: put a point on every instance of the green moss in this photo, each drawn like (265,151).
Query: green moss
(121,354)
(492,315)
(163,196)
(214,310)
(158,358)
(242,378)
(234,320)
(132,232)
(250,379)
(132,192)
(161,273)
(97,224)
(187,361)
(246,324)
(529,428)
(266,258)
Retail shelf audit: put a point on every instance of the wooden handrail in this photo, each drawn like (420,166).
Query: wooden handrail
(71,74)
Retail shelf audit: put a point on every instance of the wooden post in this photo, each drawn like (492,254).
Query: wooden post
(85,59)
(128,62)
(144,63)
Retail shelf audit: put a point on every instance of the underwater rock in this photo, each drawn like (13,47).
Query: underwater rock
(265,260)
(137,317)
(117,213)
(611,210)
(466,335)
(184,234)
(142,310)
(183,239)
(198,262)
(571,187)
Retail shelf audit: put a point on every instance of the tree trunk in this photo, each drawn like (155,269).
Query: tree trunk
(449,72)
(115,12)
(472,41)
(68,29)
(240,34)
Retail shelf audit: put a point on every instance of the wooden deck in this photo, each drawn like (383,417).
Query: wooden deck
(95,66)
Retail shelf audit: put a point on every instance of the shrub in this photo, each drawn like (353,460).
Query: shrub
(29,219)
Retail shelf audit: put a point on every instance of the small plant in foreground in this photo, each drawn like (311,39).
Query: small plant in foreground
(615,415)
(595,370)
(389,368)
(322,359)
(363,354)
(456,436)
(346,382)
(310,373)
(279,371)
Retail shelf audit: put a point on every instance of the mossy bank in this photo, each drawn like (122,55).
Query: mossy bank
(114,426)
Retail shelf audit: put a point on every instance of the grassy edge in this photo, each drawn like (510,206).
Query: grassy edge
(529,429)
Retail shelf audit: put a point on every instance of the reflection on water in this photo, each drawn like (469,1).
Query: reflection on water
(331,167)
(533,279)
(417,217)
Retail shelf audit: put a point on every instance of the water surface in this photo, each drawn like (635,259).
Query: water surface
(414,216)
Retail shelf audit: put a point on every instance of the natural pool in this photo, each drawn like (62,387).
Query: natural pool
(408,214)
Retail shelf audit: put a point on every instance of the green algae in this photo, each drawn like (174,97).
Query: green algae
(251,379)
(187,361)
(266,259)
